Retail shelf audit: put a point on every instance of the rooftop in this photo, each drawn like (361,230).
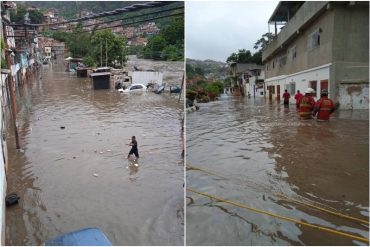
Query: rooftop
(284,11)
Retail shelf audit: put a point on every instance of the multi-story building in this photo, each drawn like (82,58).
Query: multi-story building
(323,45)
(240,74)
(254,82)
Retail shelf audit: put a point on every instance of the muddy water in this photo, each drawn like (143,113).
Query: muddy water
(261,155)
(79,176)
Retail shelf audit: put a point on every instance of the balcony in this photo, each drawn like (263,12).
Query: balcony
(308,12)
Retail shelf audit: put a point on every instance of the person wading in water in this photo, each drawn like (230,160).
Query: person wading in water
(134,149)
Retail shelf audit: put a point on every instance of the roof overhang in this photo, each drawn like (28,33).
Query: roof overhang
(284,11)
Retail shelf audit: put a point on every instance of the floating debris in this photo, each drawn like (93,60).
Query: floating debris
(62,127)
(96,175)
(11,199)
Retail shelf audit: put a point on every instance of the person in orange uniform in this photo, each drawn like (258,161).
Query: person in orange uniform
(297,98)
(306,104)
(323,107)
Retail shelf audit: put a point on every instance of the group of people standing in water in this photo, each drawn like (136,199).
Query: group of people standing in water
(308,108)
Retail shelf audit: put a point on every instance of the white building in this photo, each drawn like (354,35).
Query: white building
(253,82)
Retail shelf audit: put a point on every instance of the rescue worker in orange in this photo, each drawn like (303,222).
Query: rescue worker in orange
(297,98)
(323,107)
(306,104)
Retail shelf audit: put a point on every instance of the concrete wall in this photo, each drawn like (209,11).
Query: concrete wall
(301,80)
(350,71)
(354,96)
(304,15)
(145,77)
(305,58)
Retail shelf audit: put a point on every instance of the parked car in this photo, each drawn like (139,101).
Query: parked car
(159,90)
(175,89)
(133,88)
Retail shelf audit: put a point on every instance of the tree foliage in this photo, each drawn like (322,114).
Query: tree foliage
(245,56)
(78,42)
(95,48)
(108,46)
(168,44)
(264,41)
(17,15)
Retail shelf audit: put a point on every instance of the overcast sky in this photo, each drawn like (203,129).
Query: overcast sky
(215,29)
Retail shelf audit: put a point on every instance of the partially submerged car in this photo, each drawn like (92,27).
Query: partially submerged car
(133,88)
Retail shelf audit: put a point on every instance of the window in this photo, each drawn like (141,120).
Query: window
(292,53)
(282,61)
(314,40)
(292,88)
(273,64)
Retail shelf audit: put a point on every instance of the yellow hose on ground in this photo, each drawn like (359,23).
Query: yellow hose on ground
(326,210)
(294,200)
(281,217)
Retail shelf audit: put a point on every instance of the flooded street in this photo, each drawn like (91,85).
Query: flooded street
(79,176)
(260,155)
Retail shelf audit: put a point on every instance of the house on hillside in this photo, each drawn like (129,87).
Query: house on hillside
(322,45)
(240,73)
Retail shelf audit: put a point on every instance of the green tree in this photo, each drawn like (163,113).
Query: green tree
(17,15)
(36,16)
(172,53)
(173,33)
(244,56)
(233,58)
(79,42)
(155,46)
(169,44)
(105,42)
(60,36)
(264,41)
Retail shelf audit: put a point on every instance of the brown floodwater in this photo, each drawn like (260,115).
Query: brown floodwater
(79,176)
(260,154)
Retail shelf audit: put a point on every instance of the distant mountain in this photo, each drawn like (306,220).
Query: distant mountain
(207,68)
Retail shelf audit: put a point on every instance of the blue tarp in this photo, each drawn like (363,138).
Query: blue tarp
(83,237)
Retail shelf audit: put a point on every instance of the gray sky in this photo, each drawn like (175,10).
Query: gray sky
(215,29)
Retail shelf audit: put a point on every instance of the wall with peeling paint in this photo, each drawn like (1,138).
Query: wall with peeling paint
(354,96)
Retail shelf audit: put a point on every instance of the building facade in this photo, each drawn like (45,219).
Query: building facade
(241,74)
(323,45)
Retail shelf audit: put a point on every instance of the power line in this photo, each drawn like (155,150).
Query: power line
(127,18)
(134,22)
(131,8)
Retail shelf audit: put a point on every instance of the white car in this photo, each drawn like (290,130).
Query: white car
(133,88)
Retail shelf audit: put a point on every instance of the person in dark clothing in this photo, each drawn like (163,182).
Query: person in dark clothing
(134,149)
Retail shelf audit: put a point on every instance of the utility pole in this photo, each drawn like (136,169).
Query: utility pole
(101,54)
(122,57)
(11,87)
(106,53)
(182,86)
